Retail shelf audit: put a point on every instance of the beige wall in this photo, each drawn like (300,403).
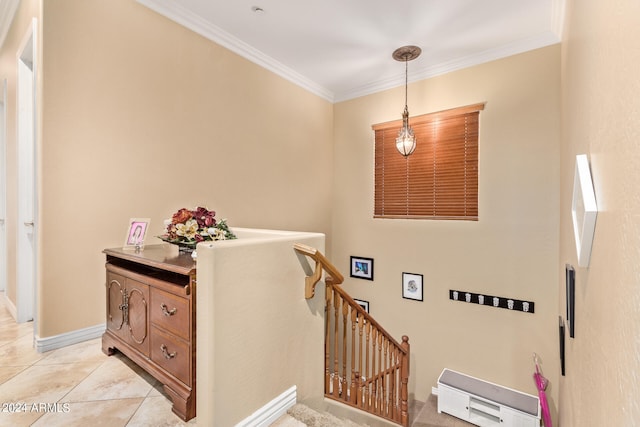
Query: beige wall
(601,105)
(130,99)
(142,117)
(257,334)
(27,10)
(511,251)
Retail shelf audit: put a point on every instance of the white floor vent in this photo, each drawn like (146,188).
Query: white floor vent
(486,404)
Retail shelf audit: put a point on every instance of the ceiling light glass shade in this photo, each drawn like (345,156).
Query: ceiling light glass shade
(406,141)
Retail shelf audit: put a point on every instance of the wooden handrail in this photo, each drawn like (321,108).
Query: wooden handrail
(366,368)
(322,263)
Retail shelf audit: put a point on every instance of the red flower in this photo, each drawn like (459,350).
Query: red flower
(205,217)
(182,216)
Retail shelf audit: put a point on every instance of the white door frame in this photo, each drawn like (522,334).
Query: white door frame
(3,186)
(27,209)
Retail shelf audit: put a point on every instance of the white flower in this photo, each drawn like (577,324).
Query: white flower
(216,234)
(188,229)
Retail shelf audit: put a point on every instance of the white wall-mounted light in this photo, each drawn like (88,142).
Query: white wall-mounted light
(583,210)
(406,140)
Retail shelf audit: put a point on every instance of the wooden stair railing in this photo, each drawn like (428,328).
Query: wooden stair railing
(364,366)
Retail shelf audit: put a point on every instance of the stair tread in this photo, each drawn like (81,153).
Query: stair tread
(312,418)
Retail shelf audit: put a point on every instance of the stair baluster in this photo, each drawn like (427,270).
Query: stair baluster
(379,383)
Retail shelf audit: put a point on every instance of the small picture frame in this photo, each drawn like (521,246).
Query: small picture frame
(362,268)
(561,336)
(136,233)
(570,296)
(412,286)
(584,210)
(363,304)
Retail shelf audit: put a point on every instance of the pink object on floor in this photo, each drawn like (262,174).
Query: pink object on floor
(541,384)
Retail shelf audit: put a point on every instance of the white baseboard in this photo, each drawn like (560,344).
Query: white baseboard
(270,412)
(68,338)
(434,391)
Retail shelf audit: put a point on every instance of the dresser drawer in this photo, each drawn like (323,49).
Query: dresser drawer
(172,354)
(170,312)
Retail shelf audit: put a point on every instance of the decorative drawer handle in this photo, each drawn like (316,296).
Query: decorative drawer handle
(165,352)
(167,312)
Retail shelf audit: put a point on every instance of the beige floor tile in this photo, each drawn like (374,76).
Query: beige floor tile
(88,351)
(108,413)
(42,384)
(157,390)
(18,414)
(20,353)
(8,372)
(156,412)
(10,330)
(116,378)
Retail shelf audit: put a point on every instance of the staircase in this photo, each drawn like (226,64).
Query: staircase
(365,367)
(303,416)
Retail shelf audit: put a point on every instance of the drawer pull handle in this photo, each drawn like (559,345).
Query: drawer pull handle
(167,312)
(167,355)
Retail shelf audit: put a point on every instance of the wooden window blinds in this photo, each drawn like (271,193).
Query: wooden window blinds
(440,179)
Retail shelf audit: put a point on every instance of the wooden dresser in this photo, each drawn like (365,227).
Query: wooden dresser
(151,317)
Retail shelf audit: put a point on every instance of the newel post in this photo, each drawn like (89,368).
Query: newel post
(404,391)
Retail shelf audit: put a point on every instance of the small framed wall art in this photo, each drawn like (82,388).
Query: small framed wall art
(136,233)
(583,210)
(363,304)
(362,268)
(561,336)
(570,280)
(412,287)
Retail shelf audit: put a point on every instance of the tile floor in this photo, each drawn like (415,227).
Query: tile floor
(74,386)
(79,386)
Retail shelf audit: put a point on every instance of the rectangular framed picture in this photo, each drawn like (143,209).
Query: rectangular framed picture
(136,233)
(561,335)
(412,287)
(362,268)
(570,296)
(584,210)
(363,304)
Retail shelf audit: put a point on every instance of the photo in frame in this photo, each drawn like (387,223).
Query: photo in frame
(362,268)
(570,273)
(412,286)
(136,233)
(561,336)
(584,210)
(363,304)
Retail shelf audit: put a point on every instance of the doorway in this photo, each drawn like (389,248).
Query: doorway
(26,225)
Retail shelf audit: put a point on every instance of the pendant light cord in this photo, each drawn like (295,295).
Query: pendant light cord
(406,82)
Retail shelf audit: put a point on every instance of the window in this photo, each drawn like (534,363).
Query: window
(440,179)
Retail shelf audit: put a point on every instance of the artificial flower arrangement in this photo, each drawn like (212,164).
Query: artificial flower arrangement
(190,227)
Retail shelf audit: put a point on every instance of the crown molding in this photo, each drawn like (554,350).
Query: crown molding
(175,12)
(524,45)
(8,10)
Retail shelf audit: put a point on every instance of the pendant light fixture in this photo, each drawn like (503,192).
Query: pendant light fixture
(406,141)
